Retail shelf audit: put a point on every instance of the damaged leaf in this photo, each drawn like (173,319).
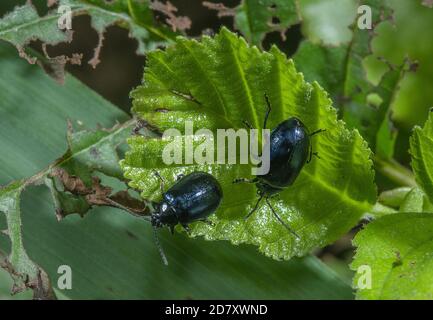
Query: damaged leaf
(25,273)
(254,19)
(181,23)
(110,242)
(23,25)
(71,195)
(323,21)
(341,71)
(94,150)
(89,151)
(190,82)
(135,15)
(71,179)
(398,250)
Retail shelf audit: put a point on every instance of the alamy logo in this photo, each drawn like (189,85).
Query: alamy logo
(202,147)
(364,279)
(64,282)
(65,20)
(365,19)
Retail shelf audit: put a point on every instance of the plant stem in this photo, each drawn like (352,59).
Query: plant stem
(395,172)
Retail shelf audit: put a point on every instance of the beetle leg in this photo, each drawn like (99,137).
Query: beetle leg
(247,124)
(244,180)
(187,229)
(267,112)
(161,185)
(172,230)
(140,124)
(311,154)
(281,221)
(317,132)
(255,207)
(207,221)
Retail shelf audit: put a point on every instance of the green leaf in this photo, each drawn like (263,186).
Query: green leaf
(226,80)
(421,150)
(96,150)
(112,254)
(398,249)
(254,19)
(413,202)
(323,21)
(25,272)
(23,25)
(395,197)
(5,288)
(402,199)
(135,15)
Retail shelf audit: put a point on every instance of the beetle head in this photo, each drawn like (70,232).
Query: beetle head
(164,214)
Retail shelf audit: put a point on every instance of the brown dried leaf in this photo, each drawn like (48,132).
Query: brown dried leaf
(97,51)
(98,194)
(222,10)
(181,23)
(55,66)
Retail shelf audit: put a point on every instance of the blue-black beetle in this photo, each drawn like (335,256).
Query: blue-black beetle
(290,149)
(193,197)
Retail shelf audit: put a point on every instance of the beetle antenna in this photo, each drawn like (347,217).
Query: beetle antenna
(255,207)
(161,180)
(159,246)
(268,111)
(115,204)
(281,220)
(317,132)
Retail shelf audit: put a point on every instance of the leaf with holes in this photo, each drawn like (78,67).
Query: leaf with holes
(342,73)
(398,250)
(24,271)
(254,19)
(109,242)
(23,25)
(323,21)
(218,83)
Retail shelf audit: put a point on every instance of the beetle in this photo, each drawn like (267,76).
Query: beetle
(194,197)
(290,149)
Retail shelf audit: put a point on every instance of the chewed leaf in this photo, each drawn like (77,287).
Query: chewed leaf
(257,18)
(24,24)
(395,251)
(323,21)
(24,271)
(219,83)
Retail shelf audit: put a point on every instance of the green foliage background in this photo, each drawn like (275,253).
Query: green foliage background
(113,254)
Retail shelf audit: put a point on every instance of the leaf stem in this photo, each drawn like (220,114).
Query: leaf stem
(396,172)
